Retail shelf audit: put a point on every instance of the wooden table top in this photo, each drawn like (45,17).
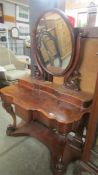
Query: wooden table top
(48,104)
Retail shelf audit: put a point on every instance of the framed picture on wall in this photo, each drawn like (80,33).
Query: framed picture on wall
(22,13)
(14,32)
(1,13)
(82,19)
(23,30)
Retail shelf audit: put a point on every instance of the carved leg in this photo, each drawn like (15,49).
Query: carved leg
(12,127)
(65,152)
(65,155)
(58,161)
(59,167)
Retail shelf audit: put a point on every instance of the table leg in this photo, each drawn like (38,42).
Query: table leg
(9,108)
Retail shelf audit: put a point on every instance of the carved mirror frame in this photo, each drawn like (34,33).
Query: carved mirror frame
(75,44)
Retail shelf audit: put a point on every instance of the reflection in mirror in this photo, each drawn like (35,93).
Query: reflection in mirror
(54,45)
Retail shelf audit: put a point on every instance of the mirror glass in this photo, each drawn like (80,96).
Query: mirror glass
(53,42)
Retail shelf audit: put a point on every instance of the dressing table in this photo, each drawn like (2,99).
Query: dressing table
(54,113)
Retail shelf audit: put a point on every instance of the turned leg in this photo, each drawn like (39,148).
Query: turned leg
(12,127)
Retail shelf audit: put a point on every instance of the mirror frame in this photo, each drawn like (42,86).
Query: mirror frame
(35,53)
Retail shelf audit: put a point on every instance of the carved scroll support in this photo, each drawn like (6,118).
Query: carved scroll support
(73,82)
(37,74)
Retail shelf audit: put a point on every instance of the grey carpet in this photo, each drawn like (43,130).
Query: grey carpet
(24,155)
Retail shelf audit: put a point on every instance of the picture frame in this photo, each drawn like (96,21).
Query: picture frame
(22,13)
(1,13)
(82,18)
(24,30)
(15,32)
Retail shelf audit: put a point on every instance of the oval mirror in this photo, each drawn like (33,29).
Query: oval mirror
(54,42)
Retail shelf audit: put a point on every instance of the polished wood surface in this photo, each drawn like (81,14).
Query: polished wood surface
(49,112)
(81,99)
(41,98)
(90,137)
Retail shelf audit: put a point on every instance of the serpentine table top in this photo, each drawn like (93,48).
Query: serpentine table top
(54,101)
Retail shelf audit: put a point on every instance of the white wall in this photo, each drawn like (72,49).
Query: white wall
(74,8)
(21,2)
(9,8)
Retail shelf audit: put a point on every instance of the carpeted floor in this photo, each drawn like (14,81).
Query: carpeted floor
(23,155)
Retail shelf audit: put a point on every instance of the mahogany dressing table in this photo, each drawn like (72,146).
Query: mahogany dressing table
(49,111)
